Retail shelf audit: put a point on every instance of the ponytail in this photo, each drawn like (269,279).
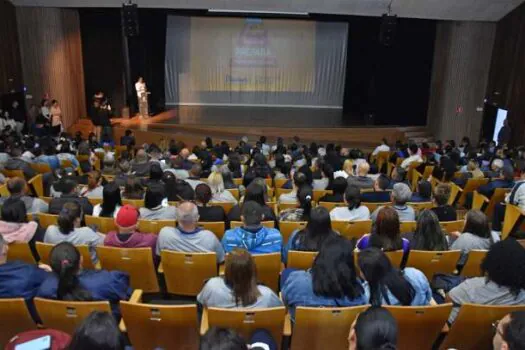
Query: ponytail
(67,216)
(65,262)
(305,197)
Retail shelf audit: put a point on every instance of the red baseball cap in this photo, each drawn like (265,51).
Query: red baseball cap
(127,216)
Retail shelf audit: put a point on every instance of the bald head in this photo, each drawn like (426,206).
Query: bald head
(187,215)
(141,156)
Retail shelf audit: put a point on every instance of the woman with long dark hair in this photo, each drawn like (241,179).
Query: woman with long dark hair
(387,285)
(354,211)
(208,212)
(375,328)
(332,281)
(255,193)
(70,282)
(111,201)
(386,233)
(302,212)
(238,288)
(311,238)
(98,331)
(428,235)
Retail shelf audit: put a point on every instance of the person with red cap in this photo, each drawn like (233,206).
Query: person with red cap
(128,236)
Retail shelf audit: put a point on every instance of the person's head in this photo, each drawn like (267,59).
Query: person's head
(14,210)
(510,332)
(347,167)
(94,179)
(66,262)
(353,197)
(127,219)
(305,196)
(140,80)
(251,213)
(300,180)
(155,172)
(504,265)
(54,103)
(203,193)
(339,185)
(222,339)
(399,174)
(401,194)
(240,274)
(133,188)
(363,168)
(375,328)
(256,193)
(318,229)
(196,170)
(442,194)
(128,132)
(216,182)
(17,186)
(381,183)
(472,165)
(387,233)
(428,235)
(378,271)
(70,217)
(412,149)
(424,188)
(187,216)
(110,199)
(155,194)
(497,165)
(98,331)
(141,156)
(477,223)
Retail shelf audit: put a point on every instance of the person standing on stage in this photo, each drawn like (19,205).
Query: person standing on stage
(56,118)
(142,96)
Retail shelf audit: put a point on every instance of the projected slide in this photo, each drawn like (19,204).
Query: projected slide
(252,54)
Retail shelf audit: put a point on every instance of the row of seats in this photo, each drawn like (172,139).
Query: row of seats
(177,326)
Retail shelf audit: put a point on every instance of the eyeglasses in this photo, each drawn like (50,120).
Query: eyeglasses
(495,328)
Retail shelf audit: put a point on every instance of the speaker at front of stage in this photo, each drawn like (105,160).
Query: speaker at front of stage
(130,19)
(387,35)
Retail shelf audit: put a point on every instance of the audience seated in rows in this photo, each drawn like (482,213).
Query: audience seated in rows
(70,195)
(94,186)
(18,188)
(111,201)
(428,235)
(354,210)
(304,206)
(219,193)
(379,193)
(424,192)
(156,206)
(400,195)
(361,180)
(443,210)
(338,191)
(254,192)
(386,233)
(208,213)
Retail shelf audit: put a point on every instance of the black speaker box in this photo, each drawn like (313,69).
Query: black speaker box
(130,19)
(387,36)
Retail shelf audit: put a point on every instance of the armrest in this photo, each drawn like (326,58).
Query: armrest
(160,269)
(204,321)
(287,330)
(136,297)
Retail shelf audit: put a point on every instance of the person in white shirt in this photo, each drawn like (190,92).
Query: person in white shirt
(347,170)
(354,211)
(414,156)
(383,147)
(142,96)
(216,183)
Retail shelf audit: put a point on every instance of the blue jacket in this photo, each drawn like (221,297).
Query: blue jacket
(112,286)
(21,280)
(260,240)
(488,189)
(298,291)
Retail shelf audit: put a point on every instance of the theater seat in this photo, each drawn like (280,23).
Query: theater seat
(472,267)
(154,226)
(15,318)
(21,252)
(44,251)
(103,225)
(431,263)
(300,260)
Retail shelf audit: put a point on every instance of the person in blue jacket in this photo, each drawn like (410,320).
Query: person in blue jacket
(19,279)
(253,236)
(70,282)
(331,282)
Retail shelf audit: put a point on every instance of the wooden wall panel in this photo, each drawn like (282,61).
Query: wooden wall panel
(10,67)
(506,86)
(462,57)
(51,52)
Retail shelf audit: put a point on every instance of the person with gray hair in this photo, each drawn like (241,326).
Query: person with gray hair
(187,236)
(401,194)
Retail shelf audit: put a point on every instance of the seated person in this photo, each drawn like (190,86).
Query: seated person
(311,238)
(299,181)
(19,279)
(156,206)
(347,171)
(504,180)
(304,206)
(98,330)
(69,229)
(94,187)
(496,167)
(72,283)
(476,235)
(238,287)
(414,156)
(252,236)
(385,233)
(398,176)
(127,234)
(338,189)
(515,197)
(133,188)
(354,211)
(17,188)
(387,285)
(443,211)
(140,164)
(380,193)
(111,201)
(502,282)
(128,138)
(195,175)
(187,236)
(424,192)
(510,331)
(472,171)
(177,190)
(361,180)
(331,282)
(219,193)
(429,235)
(256,193)
(208,213)
(70,195)
(326,178)
(229,339)
(400,195)
(374,328)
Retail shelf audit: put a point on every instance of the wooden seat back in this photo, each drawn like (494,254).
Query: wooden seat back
(21,252)
(185,273)
(452,226)
(472,267)
(217,228)
(15,318)
(288,227)
(407,226)
(36,184)
(66,316)
(227,206)
(137,203)
(300,260)
(419,326)
(103,225)
(268,224)
(280,190)
(373,206)
(471,186)
(44,251)
(41,168)
(352,229)
(323,328)
(234,192)
(161,326)
(431,263)
(137,262)
(46,220)
(455,193)
(318,194)
(513,218)
(154,226)
(280,183)
(472,328)
(420,206)
(332,205)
